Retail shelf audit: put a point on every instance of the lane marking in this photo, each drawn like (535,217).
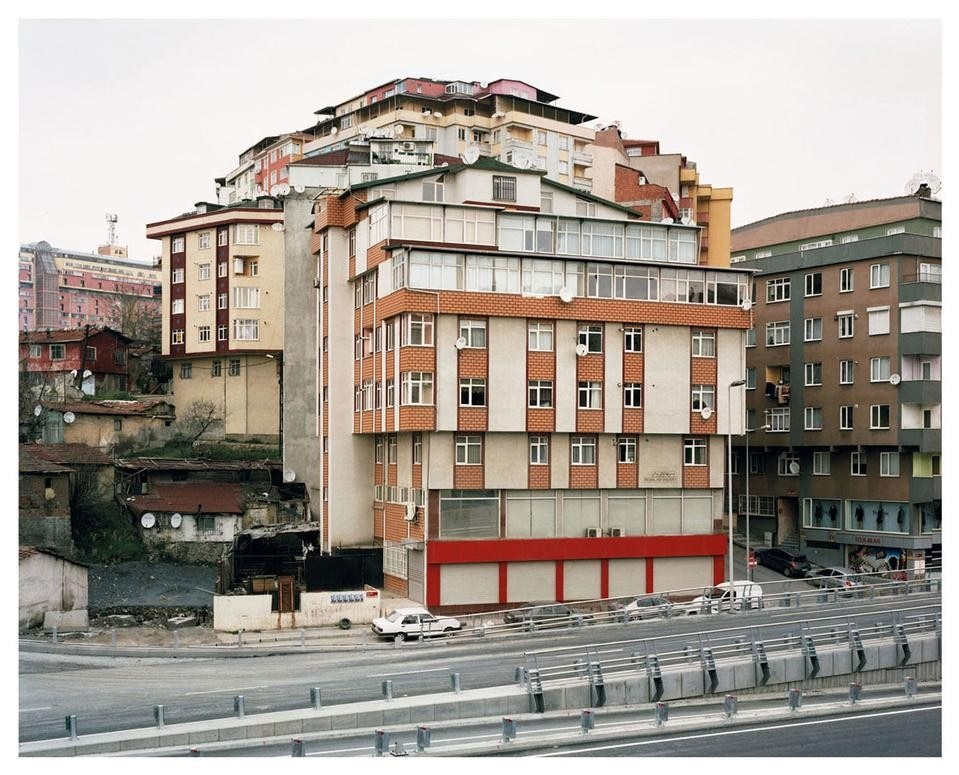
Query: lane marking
(408,672)
(29,710)
(238,689)
(750,730)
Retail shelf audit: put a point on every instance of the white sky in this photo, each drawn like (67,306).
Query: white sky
(137,117)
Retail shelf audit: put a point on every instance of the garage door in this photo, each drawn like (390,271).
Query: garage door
(527,581)
(687,573)
(471,583)
(627,577)
(415,572)
(581,580)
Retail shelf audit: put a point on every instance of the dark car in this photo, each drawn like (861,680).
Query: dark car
(541,614)
(786,562)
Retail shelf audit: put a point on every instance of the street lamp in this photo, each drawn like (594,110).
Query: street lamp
(749,567)
(729,470)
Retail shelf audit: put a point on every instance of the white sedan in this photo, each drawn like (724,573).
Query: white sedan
(406,623)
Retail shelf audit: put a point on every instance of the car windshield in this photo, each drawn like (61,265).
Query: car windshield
(395,616)
(715,593)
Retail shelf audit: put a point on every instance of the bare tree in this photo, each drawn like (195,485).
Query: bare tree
(197,419)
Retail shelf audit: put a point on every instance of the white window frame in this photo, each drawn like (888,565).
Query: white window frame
(626,449)
(177,336)
(810,377)
(539,394)
(702,397)
(473,330)
(246,234)
(694,452)
(475,392)
(633,395)
(590,335)
(539,334)
(422,322)
(879,276)
(858,464)
(847,419)
(589,395)
(582,450)
(812,418)
(887,462)
(417,384)
(812,330)
(778,420)
(203,240)
(777,333)
(704,344)
(878,321)
(847,324)
(177,275)
(203,271)
(633,339)
(810,283)
(875,417)
(177,244)
(539,450)
(818,468)
(246,329)
(203,334)
(778,289)
(880,368)
(177,306)
(245,297)
(469,449)
(847,372)
(846,277)
(784,460)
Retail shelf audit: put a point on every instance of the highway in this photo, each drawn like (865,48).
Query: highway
(111,693)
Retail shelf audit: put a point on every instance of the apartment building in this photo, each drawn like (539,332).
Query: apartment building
(844,381)
(222,279)
(70,289)
(261,167)
(515,387)
(74,362)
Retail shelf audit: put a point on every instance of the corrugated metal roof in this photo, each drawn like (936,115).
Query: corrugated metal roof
(152,408)
(180,464)
(68,453)
(67,335)
(30,464)
(191,498)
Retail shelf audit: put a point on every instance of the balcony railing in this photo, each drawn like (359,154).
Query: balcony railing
(922,277)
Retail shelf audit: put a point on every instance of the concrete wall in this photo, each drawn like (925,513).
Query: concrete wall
(317,609)
(49,583)
(43,520)
(507,380)
(667,398)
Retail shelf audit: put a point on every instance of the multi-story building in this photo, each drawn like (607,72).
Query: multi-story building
(844,380)
(222,316)
(68,289)
(516,387)
(261,167)
(79,361)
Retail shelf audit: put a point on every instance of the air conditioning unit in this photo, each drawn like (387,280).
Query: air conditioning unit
(237,266)
(410,515)
(407,146)
(593,532)
(617,532)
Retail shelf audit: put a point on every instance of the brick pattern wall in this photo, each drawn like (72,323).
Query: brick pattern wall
(591,368)
(473,363)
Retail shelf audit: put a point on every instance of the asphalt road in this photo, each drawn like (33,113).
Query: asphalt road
(109,694)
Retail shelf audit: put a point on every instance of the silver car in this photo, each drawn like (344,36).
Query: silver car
(835,578)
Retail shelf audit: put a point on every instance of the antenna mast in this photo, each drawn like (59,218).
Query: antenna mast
(111,228)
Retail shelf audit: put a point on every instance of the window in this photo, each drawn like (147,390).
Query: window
(751,378)
(694,452)
(221,238)
(177,276)
(824,243)
(813,418)
(222,301)
(418,330)
(504,188)
(203,240)
(847,372)
(879,417)
(222,332)
(813,329)
(704,344)
(857,463)
(633,395)
(90,353)
(177,244)
(582,450)
(469,450)
(203,334)
(895,230)
(788,464)
(590,395)
(814,284)
(889,464)
(540,393)
(118,424)
(186,371)
(246,298)
(592,337)
(821,463)
(234,367)
(538,450)
(626,449)
(750,337)
(216,369)
(847,325)
(813,374)
(246,234)
(879,276)
(417,388)
(704,397)
(253,268)
(474,332)
(417,449)
(433,190)
(563,143)
(391,450)
(878,321)
(540,337)
(777,333)
(777,290)
(563,167)
(633,340)
(176,307)
(203,272)
(546,201)
(879,369)
(846,418)
(757,463)
(472,392)
(845,280)
(847,238)
(246,329)
(176,336)
(778,420)
(36,350)
(203,302)
(378,450)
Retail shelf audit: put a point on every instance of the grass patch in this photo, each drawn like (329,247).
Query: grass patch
(220,452)
(103,534)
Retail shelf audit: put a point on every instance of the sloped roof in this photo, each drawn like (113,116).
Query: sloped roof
(67,335)
(182,464)
(482,163)
(31,551)
(32,464)
(71,454)
(191,498)
(152,408)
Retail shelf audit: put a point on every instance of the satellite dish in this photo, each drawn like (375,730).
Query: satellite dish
(923,178)
(747,305)
(471,154)
(686,220)
(69,417)
(37,410)
(299,189)
(565,295)
(284,189)
(894,379)
(289,475)
(278,226)
(460,343)
(398,129)
(148,520)
(794,467)
(581,349)
(667,220)
(87,373)
(176,520)
(333,130)
(73,373)
(705,412)
(437,114)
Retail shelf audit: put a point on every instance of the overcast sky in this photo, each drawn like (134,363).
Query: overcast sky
(138,117)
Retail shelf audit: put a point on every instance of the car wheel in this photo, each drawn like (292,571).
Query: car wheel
(449,629)
(401,636)
(787,572)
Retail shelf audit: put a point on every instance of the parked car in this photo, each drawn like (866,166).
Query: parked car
(786,562)
(541,614)
(835,578)
(645,608)
(406,623)
(722,597)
